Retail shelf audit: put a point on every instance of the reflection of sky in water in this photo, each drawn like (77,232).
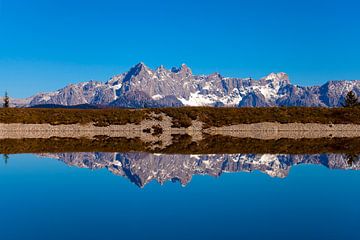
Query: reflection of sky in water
(43,198)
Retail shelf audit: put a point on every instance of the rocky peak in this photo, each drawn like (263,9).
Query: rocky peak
(141,67)
(161,68)
(183,70)
(179,85)
(162,71)
(280,79)
(137,70)
(215,75)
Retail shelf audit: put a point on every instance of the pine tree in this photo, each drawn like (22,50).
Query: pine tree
(6,101)
(351,100)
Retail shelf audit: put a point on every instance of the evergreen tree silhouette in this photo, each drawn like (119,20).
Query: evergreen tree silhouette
(6,100)
(351,100)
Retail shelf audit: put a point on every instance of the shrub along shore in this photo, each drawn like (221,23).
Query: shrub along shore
(182,117)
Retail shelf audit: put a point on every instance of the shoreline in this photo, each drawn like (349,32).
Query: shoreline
(155,130)
(183,144)
(271,130)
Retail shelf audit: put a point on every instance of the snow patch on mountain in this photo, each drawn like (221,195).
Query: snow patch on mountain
(157,97)
(197,99)
(115,88)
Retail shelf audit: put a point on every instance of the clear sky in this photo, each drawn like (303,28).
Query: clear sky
(45,45)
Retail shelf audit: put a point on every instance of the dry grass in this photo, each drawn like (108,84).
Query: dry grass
(182,117)
(231,145)
(101,117)
(228,116)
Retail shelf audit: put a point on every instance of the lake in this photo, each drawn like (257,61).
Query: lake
(95,195)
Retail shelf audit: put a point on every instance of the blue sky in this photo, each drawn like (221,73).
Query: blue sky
(47,44)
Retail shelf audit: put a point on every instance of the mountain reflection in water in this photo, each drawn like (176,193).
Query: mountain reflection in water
(142,168)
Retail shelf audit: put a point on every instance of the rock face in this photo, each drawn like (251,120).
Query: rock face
(145,87)
(142,168)
(139,99)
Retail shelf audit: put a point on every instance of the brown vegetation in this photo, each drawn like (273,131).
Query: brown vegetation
(157,130)
(183,144)
(182,117)
(100,117)
(57,145)
(230,116)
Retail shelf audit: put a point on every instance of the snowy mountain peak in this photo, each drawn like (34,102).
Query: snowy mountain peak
(144,87)
(278,78)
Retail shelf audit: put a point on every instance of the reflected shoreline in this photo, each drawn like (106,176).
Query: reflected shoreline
(183,144)
(179,159)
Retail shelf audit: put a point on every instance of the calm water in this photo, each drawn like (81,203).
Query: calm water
(118,196)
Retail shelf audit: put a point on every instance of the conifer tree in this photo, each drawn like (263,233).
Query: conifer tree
(351,100)
(6,101)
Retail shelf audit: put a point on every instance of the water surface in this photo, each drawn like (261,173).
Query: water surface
(236,196)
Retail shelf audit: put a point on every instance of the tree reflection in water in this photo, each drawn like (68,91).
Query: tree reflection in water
(6,158)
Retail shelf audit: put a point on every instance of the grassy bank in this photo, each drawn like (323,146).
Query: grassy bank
(101,117)
(182,117)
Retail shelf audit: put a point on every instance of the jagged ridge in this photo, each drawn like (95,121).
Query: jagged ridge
(144,87)
(142,168)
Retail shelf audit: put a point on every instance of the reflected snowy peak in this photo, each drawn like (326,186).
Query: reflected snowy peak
(142,168)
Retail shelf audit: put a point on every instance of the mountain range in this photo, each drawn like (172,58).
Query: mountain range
(142,168)
(142,86)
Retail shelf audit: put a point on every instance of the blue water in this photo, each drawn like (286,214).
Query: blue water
(43,198)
